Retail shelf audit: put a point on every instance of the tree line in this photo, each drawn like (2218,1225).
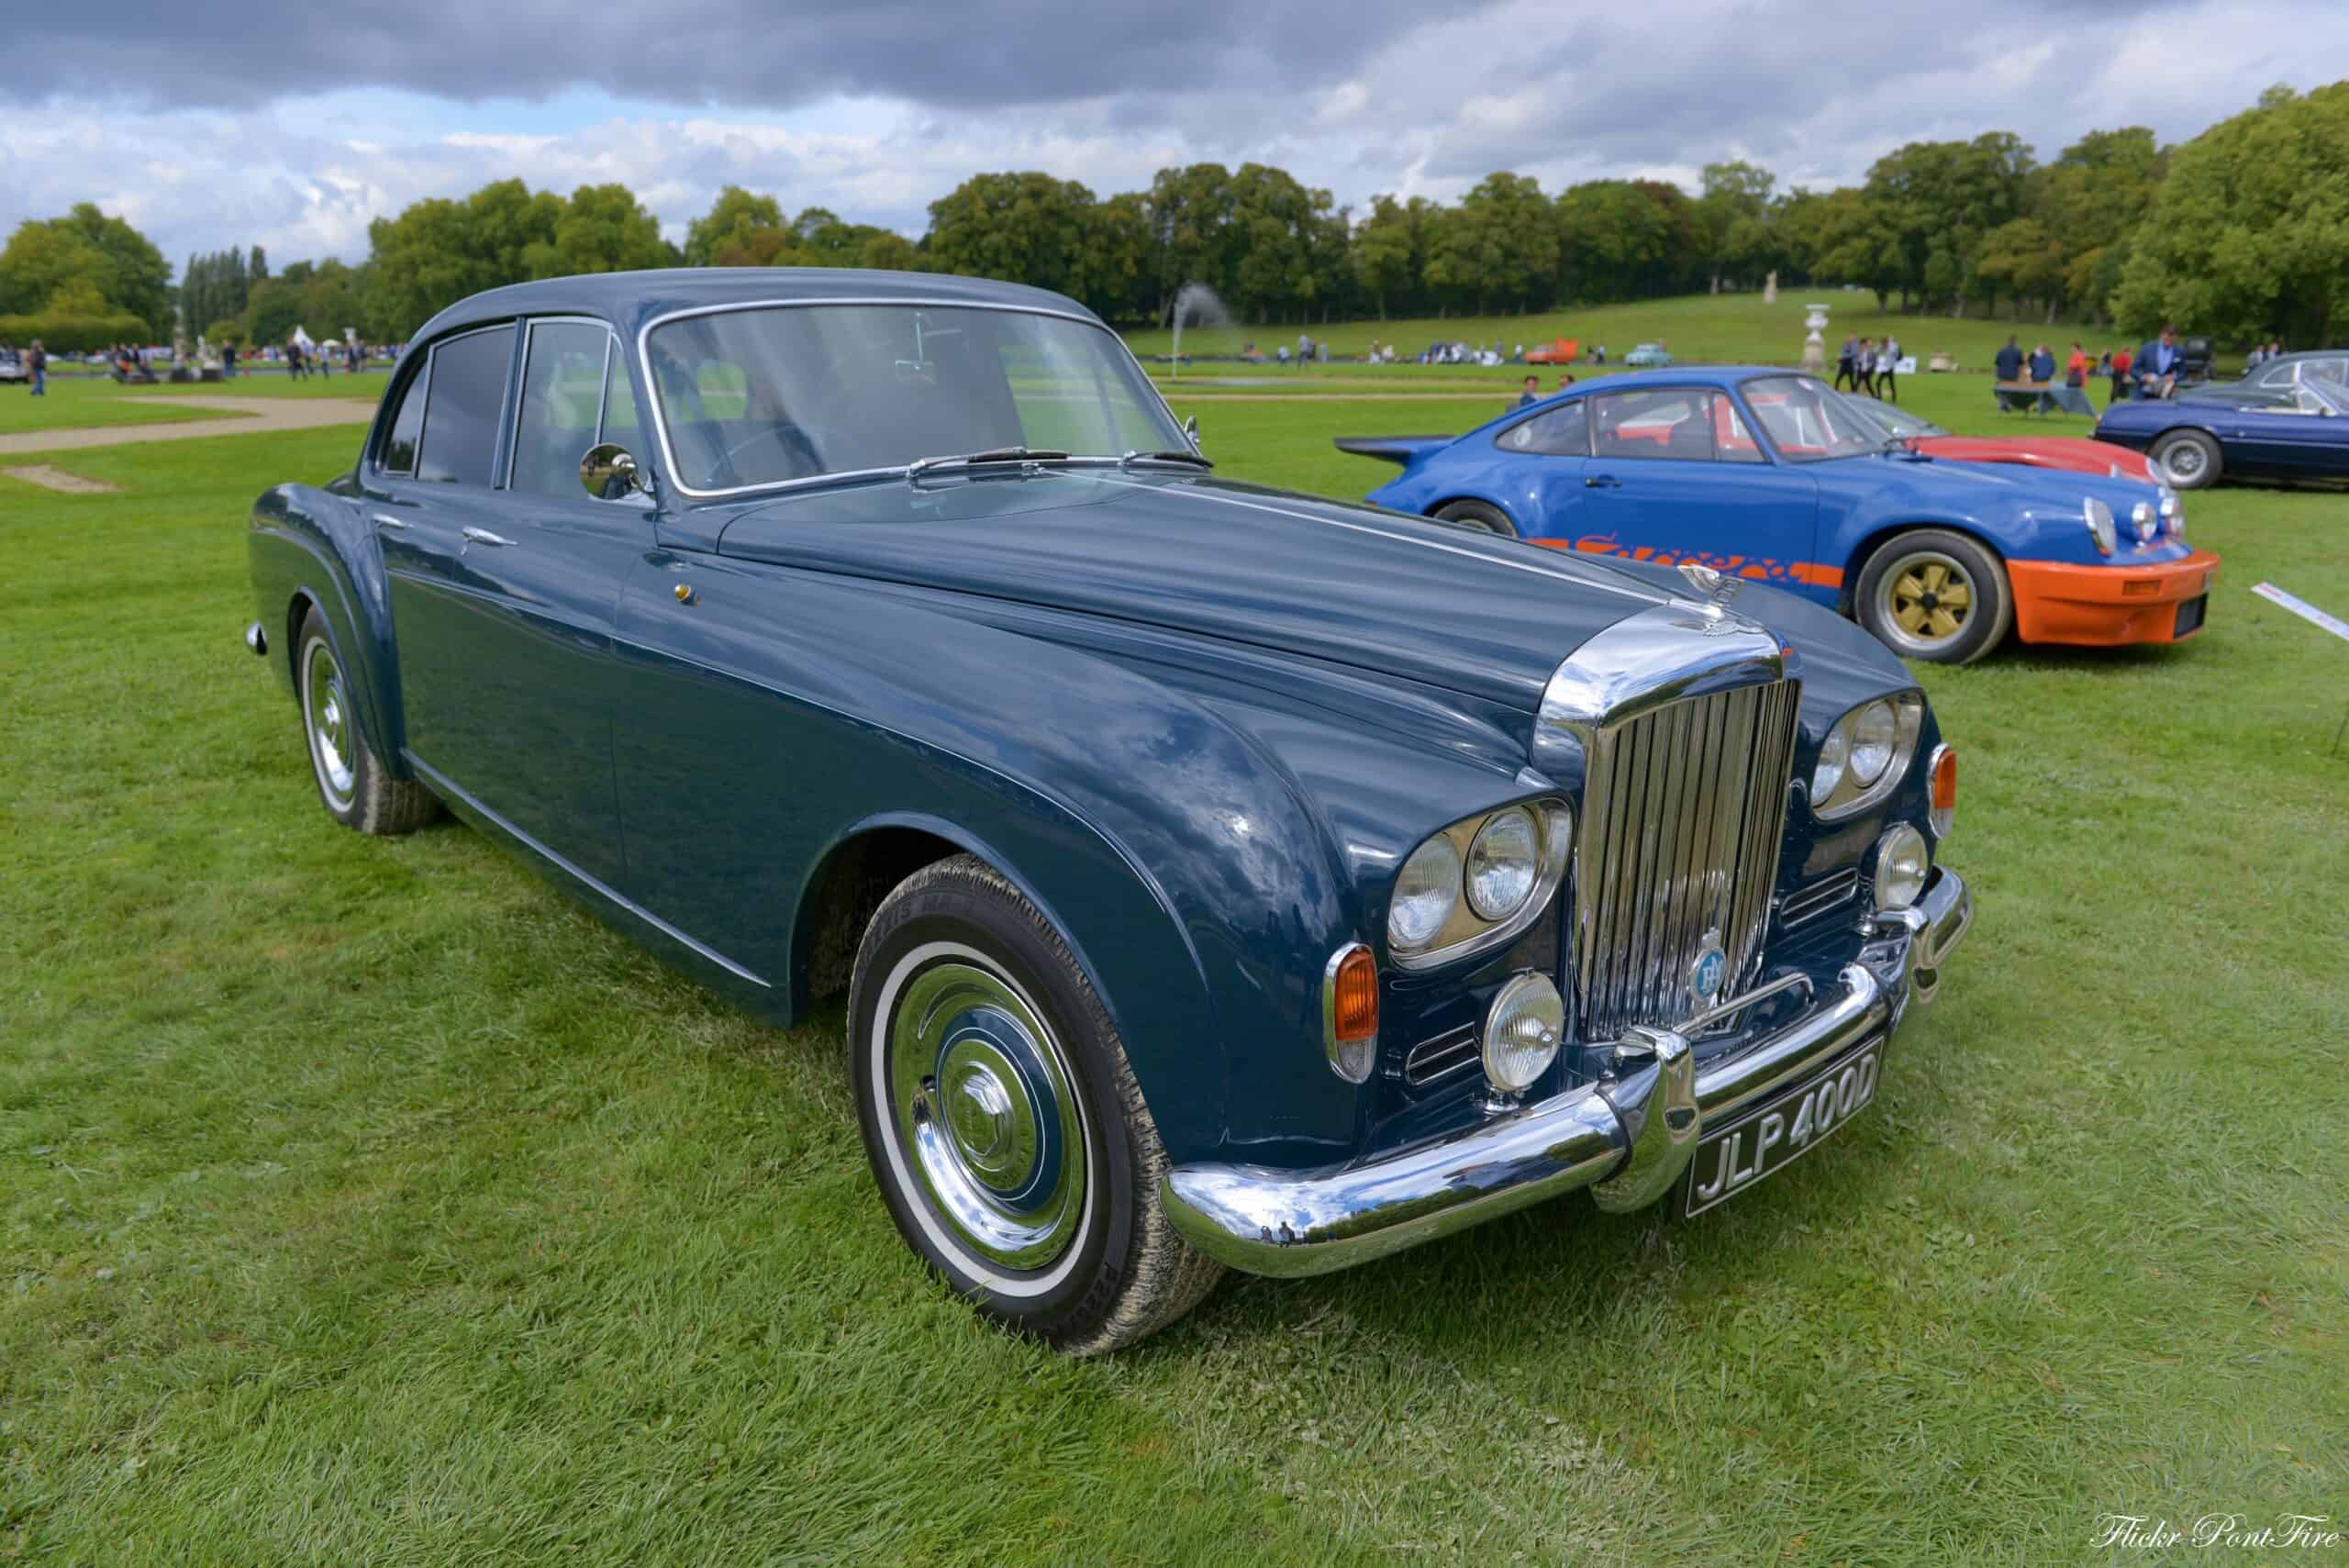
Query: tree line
(2242,231)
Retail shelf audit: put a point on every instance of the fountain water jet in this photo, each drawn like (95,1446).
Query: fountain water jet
(1200,304)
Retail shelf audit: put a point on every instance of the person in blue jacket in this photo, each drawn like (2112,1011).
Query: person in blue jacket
(2158,363)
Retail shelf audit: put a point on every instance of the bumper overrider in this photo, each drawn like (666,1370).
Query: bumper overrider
(1627,1137)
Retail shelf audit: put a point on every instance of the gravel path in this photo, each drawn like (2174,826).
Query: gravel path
(262,416)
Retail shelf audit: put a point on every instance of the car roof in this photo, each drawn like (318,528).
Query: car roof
(630,300)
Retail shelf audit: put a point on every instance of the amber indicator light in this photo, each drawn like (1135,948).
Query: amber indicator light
(1357,1002)
(1945,782)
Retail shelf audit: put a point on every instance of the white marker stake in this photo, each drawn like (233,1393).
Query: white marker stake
(2314,617)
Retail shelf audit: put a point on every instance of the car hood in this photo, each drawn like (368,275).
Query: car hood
(1430,602)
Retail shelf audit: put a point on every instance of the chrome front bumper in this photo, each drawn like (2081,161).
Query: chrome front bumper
(1628,1137)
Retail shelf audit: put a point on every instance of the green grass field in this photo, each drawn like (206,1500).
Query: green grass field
(1697,328)
(363,1200)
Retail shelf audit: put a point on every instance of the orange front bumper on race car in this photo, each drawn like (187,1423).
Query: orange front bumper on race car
(2105,606)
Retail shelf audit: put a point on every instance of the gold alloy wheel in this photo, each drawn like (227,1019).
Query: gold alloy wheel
(1927,601)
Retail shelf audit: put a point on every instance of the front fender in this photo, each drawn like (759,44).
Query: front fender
(307,544)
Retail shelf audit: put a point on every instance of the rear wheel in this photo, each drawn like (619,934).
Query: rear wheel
(352,785)
(1003,1122)
(1936,595)
(2191,458)
(1476,514)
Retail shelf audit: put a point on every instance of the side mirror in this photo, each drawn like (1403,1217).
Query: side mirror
(610,473)
(1191,429)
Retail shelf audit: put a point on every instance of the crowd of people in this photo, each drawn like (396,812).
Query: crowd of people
(1869,365)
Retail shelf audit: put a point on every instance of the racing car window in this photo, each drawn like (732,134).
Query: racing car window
(1670,422)
(1732,442)
(1562,431)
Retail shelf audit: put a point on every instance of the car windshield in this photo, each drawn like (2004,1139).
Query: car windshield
(771,393)
(1896,423)
(1807,421)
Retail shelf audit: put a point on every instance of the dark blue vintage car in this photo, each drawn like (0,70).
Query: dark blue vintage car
(1215,876)
(1771,475)
(2196,442)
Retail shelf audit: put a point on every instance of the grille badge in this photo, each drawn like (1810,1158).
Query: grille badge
(1707,974)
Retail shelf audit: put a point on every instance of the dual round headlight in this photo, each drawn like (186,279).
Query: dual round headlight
(2173,512)
(2147,521)
(1862,744)
(1424,894)
(1496,865)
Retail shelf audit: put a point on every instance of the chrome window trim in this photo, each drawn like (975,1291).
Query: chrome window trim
(661,418)
(531,325)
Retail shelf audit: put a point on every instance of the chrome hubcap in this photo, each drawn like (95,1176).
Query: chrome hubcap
(2184,459)
(1925,602)
(332,735)
(983,1107)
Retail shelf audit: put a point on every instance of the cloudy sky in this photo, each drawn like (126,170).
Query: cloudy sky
(291,123)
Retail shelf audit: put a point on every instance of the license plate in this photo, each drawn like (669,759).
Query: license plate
(1767,1140)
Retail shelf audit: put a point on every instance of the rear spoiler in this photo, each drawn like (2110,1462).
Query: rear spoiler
(1394,449)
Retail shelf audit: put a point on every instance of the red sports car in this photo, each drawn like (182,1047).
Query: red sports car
(2077,454)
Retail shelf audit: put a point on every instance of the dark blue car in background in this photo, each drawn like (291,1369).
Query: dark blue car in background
(1770,475)
(2197,442)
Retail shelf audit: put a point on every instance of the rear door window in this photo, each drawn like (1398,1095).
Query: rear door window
(1671,422)
(468,396)
(1563,431)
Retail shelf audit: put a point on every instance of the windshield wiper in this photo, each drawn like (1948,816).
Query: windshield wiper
(993,454)
(1191,457)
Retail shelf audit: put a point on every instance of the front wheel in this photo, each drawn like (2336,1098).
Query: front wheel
(1477,515)
(2190,459)
(1936,595)
(1002,1120)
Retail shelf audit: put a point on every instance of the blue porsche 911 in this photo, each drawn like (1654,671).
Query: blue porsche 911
(1770,475)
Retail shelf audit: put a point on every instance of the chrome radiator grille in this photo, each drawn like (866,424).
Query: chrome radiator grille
(1683,808)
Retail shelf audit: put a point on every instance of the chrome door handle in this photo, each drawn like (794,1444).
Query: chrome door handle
(382,521)
(483,536)
(1601,481)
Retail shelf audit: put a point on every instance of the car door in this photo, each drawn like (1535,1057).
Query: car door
(1544,493)
(1675,473)
(505,615)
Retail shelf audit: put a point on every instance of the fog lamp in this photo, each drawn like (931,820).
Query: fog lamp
(1523,1031)
(2147,525)
(1901,864)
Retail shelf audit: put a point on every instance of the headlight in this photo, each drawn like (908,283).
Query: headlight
(1830,772)
(2173,511)
(2141,515)
(1504,862)
(2099,520)
(1866,754)
(1424,894)
(1479,883)
(1875,737)
(1522,1032)
(1901,862)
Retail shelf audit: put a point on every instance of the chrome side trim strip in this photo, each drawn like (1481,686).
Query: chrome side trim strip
(444,787)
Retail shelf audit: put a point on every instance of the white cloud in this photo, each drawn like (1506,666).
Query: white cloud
(1370,102)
